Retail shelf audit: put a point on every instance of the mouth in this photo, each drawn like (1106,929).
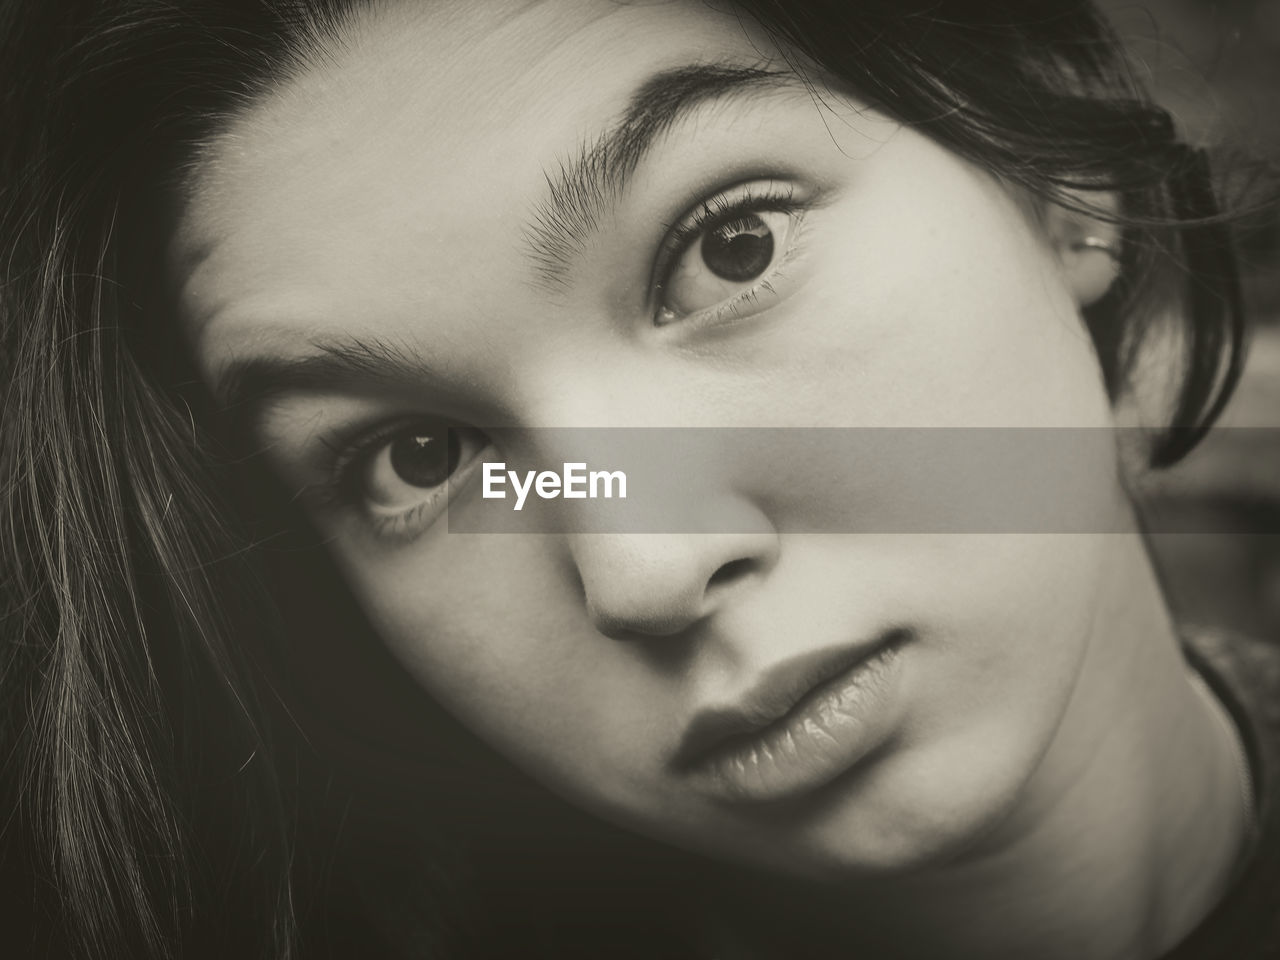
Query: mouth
(806,722)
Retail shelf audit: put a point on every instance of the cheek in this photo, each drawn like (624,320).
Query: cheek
(1019,624)
(1018,610)
(1003,625)
(954,318)
(493,627)
(946,310)
(481,622)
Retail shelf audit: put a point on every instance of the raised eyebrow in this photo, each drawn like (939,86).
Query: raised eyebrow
(248,387)
(583,188)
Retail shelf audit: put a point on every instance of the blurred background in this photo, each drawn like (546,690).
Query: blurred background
(1215,64)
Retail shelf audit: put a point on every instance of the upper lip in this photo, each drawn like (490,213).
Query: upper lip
(777,692)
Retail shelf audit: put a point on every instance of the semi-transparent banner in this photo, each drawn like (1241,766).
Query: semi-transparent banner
(841,480)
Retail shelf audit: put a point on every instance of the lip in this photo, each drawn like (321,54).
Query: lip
(806,721)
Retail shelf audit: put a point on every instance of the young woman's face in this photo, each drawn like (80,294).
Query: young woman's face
(591,214)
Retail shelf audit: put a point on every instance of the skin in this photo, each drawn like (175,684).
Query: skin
(1045,754)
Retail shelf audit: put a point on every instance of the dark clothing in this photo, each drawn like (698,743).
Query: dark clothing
(1245,676)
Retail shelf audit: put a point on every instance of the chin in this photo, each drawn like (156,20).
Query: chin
(907,816)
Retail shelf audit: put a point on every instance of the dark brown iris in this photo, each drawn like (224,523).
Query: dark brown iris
(425,458)
(739,250)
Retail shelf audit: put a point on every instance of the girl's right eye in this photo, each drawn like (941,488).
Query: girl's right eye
(401,476)
(721,261)
(726,261)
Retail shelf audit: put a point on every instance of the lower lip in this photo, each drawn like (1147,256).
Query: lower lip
(833,728)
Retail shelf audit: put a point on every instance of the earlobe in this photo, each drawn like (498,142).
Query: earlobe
(1087,247)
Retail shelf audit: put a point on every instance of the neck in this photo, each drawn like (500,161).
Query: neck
(1127,833)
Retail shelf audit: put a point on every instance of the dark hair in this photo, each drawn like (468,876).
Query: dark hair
(157,770)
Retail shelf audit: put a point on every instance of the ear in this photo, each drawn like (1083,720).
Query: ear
(1088,247)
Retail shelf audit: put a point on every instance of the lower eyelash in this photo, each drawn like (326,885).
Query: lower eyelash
(337,491)
(347,452)
(773,196)
(404,525)
(730,308)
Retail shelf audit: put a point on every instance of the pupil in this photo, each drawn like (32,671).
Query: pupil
(426,458)
(739,250)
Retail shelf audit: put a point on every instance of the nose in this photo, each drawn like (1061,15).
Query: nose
(658,584)
(688,539)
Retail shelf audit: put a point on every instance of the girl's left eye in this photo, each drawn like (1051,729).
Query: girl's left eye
(726,258)
(417,460)
(401,477)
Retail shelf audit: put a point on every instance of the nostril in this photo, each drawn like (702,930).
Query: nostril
(733,570)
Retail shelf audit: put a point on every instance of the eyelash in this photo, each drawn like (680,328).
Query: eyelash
(721,208)
(351,450)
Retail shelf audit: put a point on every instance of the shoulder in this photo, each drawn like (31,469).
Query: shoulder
(1244,673)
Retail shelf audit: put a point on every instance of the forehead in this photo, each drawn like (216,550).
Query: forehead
(417,136)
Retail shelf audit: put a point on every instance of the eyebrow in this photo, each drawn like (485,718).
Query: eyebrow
(580,190)
(247,388)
